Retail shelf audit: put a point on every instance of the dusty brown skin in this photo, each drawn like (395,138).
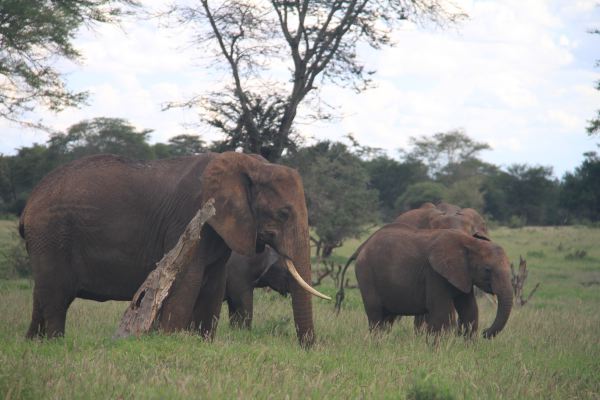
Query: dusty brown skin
(429,216)
(95,228)
(446,216)
(244,274)
(404,271)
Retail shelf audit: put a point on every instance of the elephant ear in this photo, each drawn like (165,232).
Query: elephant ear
(228,178)
(448,257)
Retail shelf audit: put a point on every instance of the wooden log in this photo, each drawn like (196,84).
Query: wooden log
(518,282)
(143,313)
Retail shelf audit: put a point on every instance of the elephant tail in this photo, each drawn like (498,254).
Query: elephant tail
(22,224)
(339,297)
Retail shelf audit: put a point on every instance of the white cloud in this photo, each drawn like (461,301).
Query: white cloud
(513,73)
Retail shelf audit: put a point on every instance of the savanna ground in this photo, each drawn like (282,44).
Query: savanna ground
(549,349)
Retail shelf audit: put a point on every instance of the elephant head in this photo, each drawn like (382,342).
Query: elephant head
(465,261)
(259,203)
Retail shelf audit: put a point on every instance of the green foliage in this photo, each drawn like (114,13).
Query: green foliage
(466,192)
(425,387)
(419,193)
(101,135)
(34,34)
(339,201)
(446,153)
(391,179)
(580,193)
(522,192)
(14,261)
(264,137)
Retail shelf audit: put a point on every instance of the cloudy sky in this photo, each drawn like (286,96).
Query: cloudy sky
(518,75)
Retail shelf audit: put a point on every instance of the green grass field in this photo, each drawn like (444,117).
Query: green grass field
(549,349)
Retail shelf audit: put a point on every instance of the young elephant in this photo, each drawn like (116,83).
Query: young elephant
(402,271)
(245,273)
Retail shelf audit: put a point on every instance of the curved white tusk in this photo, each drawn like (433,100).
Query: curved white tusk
(290,266)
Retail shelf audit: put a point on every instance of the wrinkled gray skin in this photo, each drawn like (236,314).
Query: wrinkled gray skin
(429,216)
(404,271)
(95,228)
(245,273)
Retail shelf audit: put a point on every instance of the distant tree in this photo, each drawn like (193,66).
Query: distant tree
(34,34)
(391,179)
(226,115)
(449,154)
(466,193)
(419,193)
(186,145)
(20,173)
(251,39)
(580,194)
(101,135)
(527,193)
(593,127)
(340,204)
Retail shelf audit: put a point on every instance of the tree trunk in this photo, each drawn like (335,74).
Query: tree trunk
(143,314)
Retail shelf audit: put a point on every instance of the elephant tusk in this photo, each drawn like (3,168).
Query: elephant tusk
(292,269)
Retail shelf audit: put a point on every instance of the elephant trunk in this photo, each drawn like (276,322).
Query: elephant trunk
(298,250)
(502,289)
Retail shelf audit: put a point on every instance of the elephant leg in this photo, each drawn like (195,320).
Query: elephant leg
(241,309)
(37,328)
(208,303)
(468,314)
(53,293)
(439,313)
(419,323)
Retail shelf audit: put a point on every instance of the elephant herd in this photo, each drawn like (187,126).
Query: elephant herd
(96,227)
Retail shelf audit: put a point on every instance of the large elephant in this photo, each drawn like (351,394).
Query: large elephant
(428,216)
(404,271)
(244,274)
(96,227)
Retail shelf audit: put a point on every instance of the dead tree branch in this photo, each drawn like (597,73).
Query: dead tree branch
(143,314)
(518,282)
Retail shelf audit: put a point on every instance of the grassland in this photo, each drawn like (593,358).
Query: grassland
(550,348)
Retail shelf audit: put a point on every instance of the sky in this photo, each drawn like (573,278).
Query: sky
(519,75)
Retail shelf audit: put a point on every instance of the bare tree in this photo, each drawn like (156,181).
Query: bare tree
(316,41)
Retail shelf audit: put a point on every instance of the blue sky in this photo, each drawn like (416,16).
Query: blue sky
(518,75)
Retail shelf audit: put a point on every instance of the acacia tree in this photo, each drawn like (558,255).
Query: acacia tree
(316,41)
(34,34)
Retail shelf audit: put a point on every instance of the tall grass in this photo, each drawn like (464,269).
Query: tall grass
(549,349)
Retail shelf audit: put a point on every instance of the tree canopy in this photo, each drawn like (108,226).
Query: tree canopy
(316,41)
(33,35)
(339,200)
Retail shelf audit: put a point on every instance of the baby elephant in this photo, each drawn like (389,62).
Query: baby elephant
(402,271)
(244,273)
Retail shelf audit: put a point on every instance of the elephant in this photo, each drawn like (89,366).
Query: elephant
(406,271)
(95,228)
(245,273)
(444,216)
(428,216)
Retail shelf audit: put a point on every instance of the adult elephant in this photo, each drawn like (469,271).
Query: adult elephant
(404,271)
(428,216)
(95,228)
(446,216)
(244,274)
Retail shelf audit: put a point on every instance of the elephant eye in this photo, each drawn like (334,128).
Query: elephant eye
(283,214)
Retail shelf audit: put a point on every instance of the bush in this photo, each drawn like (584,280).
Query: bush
(424,387)
(14,261)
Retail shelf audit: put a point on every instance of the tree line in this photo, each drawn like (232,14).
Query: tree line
(349,187)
